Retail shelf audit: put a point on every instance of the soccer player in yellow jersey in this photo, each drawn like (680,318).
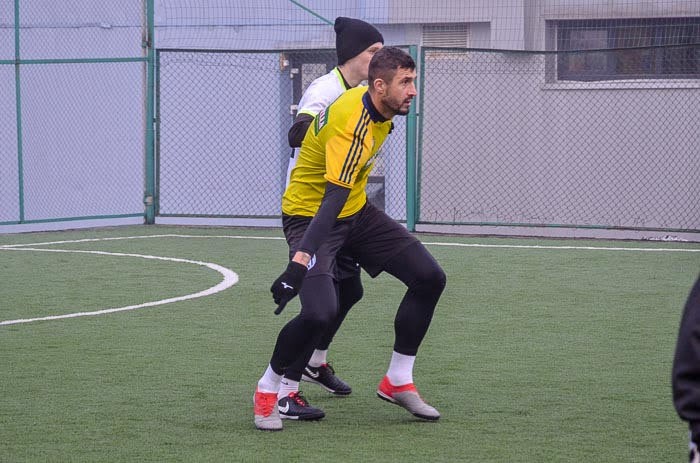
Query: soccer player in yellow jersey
(325,209)
(355,42)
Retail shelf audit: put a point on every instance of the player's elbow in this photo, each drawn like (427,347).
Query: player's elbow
(298,130)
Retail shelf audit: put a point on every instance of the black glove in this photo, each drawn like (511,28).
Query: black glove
(287,285)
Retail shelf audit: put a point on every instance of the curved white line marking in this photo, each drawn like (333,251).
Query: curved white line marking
(230,279)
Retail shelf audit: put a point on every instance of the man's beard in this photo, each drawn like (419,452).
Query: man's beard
(396,106)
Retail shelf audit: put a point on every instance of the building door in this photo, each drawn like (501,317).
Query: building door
(305,67)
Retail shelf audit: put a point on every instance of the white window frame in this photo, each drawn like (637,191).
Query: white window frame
(554,82)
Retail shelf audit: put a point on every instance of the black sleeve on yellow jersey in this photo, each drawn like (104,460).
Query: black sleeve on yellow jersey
(298,131)
(334,199)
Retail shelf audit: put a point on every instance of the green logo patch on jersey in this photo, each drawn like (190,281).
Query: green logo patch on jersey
(321,120)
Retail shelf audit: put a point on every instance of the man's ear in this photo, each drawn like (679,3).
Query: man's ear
(379,86)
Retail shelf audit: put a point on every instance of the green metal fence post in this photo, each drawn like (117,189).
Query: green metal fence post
(149,194)
(18,110)
(419,144)
(411,158)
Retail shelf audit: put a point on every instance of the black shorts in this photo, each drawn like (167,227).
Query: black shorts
(330,258)
(369,238)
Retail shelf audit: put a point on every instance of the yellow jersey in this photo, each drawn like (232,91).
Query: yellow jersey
(340,147)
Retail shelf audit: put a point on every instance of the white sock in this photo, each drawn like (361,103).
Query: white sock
(270,381)
(318,358)
(400,369)
(287,386)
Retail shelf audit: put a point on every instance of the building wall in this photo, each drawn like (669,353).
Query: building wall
(538,12)
(179,26)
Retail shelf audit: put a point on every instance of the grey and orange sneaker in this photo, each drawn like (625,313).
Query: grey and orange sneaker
(407,397)
(267,417)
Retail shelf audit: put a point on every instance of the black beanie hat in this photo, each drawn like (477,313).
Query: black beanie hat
(353,36)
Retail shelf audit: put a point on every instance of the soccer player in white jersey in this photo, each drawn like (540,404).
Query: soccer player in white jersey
(356,43)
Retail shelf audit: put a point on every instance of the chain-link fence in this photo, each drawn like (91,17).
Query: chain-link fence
(223,119)
(506,138)
(520,138)
(72,86)
(219,138)
(593,128)
(557,113)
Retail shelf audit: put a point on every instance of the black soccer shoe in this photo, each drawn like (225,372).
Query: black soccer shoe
(295,407)
(325,377)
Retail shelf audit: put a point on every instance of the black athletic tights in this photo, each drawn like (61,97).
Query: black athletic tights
(414,266)
(349,292)
(686,364)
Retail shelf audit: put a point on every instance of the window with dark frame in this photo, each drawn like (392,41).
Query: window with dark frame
(650,48)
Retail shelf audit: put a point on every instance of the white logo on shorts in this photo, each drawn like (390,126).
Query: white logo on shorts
(311,263)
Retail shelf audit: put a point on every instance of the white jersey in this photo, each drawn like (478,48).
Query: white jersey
(317,97)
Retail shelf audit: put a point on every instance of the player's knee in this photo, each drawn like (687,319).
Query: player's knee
(354,296)
(315,324)
(430,280)
(351,291)
(319,320)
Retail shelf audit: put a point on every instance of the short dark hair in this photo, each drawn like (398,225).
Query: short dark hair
(386,62)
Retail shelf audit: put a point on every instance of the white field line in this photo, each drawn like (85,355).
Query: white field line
(230,279)
(137,237)
(465,245)
(576,248)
